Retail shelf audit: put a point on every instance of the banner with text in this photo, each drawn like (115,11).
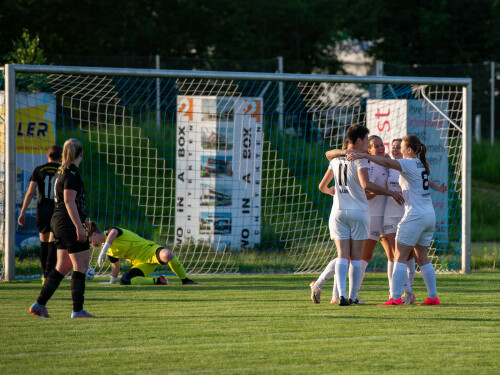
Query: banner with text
(218,171)
(36,132)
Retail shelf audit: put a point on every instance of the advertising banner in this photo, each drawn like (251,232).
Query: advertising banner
(36,132)
(218,171)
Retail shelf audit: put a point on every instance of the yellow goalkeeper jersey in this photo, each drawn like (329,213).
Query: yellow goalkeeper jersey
(133,247)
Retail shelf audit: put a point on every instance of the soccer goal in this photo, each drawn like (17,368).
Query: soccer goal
(223,167)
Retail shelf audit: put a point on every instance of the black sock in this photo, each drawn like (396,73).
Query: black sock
(49,287)
(77,290)
(51,258)
(44,251)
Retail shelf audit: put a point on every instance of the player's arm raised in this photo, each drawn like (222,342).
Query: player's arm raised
(377,189)
(380,160)
(332,154)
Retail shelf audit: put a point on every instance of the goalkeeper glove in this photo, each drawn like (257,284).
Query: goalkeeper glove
(102,255)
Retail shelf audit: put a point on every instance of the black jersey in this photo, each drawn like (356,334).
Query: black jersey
(69,179)
(43,175)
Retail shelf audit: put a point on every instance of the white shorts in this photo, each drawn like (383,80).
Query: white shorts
(349,224)
(416,229)
(376,227)
(391,224)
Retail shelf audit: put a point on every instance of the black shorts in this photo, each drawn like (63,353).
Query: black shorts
(65,235)
(43,217)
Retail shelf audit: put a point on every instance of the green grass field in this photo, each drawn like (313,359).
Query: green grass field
(253,325)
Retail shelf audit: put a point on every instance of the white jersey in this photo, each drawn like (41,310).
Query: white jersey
(392,209)
(378,175)
(414,183)
(349,194)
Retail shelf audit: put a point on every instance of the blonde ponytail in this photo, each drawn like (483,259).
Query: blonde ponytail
(71,150)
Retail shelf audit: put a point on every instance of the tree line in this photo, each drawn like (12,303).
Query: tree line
(302,31)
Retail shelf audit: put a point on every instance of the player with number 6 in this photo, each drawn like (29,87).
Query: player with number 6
(416,229)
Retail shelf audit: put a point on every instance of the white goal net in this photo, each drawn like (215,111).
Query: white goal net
(224,168)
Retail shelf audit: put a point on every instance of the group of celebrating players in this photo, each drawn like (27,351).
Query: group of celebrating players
(66,234)
(362,215)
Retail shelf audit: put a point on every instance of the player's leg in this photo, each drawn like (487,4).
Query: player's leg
(165,256)
(355,269)
(80,258)
(51,254)
(344,249)
(139,275)
(389,244)
(51,284)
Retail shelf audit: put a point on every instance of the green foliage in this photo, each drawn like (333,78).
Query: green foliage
(486,162)
(252,325)
(26,50)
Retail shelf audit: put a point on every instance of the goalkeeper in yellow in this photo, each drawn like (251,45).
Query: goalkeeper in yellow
(145,256)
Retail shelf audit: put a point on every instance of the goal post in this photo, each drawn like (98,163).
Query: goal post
(227,175)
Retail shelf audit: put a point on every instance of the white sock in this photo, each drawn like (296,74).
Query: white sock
(429,276)
(411,271)
(327,274)
(398,279)
(364,264)
(341,272)
(390,271)
(335,293)
(355,279)
(408,287)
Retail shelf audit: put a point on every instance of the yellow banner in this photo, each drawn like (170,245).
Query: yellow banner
(35,122)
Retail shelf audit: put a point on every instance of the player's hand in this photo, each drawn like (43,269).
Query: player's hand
(330,191)
(21,219)
(101,259)
(354,154)
(442,188)
(81,234)
(398,199)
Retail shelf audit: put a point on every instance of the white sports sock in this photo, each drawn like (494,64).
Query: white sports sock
(327,274)
(335,293)
(429,276)
(355,279)
(408,287)
(390,271)
(398,279)
(411,271)
(341,272)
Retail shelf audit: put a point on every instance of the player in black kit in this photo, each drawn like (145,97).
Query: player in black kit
(73,249)
(42,178)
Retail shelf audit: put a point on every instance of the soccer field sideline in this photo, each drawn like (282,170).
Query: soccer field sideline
(253,324)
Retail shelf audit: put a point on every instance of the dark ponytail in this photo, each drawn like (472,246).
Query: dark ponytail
(419,149)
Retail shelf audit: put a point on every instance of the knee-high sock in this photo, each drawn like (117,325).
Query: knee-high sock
(49,287)
(364,264)
(355,279)
(44,250)
(390,271)
(429,276)
(398,279)
(406,285)
(78,290)
(335,293)
(326,274)
(411,272)
(51,258)
(341,272)
(177,267)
